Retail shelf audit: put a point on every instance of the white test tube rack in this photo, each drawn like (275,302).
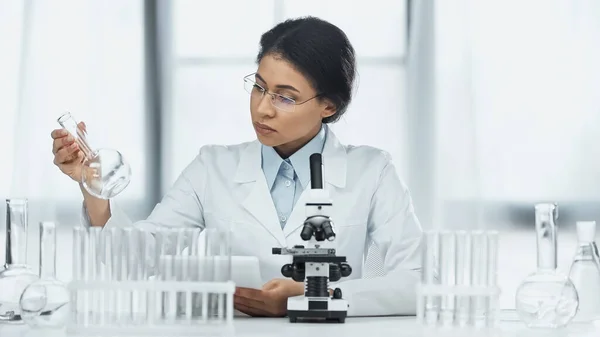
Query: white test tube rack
(159,295)
(116,291)
(459,286)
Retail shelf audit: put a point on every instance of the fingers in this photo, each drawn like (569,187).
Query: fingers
(255,312)
(249,302)
(66,154)
(249,293)
(59,133)
(61,142)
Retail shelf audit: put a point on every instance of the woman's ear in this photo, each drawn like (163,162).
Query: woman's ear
(329,109)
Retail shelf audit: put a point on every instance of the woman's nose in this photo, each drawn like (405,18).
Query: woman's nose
(265,107)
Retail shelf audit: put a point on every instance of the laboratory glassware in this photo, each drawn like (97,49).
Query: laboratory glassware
(16,274)
(585,273)
(150,281)
(45,303)
(458,285)
(546,298)
(104,172)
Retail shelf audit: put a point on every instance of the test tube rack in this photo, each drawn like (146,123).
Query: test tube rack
(459,287)
(158,308)
(131,282)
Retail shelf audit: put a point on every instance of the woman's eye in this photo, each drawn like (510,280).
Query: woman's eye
(258,87)
(285,100)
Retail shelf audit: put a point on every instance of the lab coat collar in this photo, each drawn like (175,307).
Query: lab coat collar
(271,161)
(257,197)
(334,161)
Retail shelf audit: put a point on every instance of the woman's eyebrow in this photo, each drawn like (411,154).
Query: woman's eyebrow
(279,86)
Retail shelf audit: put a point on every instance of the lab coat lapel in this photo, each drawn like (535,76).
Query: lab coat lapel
(334,173)
(254,191)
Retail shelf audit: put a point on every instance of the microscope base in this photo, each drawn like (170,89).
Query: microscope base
(302,308)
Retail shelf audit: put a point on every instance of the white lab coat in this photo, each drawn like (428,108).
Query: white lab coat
(225,185)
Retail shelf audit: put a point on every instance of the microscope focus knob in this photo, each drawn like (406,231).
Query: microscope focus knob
(334,272)
(287,270)
(337,294)
(345,269)
(299,272)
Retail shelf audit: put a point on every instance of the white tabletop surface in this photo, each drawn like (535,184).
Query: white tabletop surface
(354,326)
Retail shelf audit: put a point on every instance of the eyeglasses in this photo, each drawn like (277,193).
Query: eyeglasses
(280,102)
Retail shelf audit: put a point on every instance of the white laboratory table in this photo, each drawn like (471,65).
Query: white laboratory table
(354,326)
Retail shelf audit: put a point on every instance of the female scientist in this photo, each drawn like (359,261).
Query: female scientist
(306,70)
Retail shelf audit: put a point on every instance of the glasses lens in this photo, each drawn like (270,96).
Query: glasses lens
(248,85)
(283,103)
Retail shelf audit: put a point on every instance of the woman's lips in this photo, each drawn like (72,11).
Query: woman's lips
(263,129)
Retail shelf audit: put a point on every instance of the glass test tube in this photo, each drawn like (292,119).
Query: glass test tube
(479,274)
(212,274)
(127,250)
(492,278)
(169,308)
(108,276)
(430,276)
(136,261)
(447,275)
(117,272)
(186,265)
(78,258)
(463,276)
(155,297)
(47,250)
(181,250)
(195,262)
(93,267)
(223,267)
(146,305)
(168,240)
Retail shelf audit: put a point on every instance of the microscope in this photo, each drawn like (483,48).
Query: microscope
(316,266)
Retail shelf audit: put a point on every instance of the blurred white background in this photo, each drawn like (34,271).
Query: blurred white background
(486,106)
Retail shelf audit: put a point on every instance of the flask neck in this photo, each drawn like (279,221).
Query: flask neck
(546,227)
(68,122)
(47,250)
(16,232)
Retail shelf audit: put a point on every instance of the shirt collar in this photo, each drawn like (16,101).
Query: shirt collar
(271,161)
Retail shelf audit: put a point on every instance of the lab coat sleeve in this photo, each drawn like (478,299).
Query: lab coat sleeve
(395,229)
(180,207)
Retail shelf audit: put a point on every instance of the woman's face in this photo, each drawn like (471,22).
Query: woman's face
(287,131)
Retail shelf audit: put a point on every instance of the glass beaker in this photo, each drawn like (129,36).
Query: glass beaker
(16,275)
(585,273)
(546,298)
(45,303)
(104,172)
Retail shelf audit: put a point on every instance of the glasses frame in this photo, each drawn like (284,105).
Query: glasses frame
(263,91)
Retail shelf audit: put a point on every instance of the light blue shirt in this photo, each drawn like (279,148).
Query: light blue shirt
(287,178)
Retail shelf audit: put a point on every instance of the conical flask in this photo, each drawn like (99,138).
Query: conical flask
(16,274)
(585,273)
